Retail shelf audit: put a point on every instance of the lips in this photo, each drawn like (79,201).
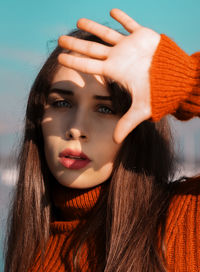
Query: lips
(73,159)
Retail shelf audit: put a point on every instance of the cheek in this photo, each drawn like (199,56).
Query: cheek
(106,157)
(105,148)
(104,134)
(105,171)
(51,125)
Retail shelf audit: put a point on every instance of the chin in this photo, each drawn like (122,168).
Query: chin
(88,179)
(79,184)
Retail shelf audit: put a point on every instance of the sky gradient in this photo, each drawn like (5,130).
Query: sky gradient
(30,29)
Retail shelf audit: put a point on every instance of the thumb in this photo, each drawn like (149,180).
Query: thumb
(128,122)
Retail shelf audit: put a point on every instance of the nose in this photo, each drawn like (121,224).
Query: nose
(78,124)
(76,134)
(78,127)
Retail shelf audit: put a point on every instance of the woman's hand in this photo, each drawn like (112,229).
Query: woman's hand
(126,61)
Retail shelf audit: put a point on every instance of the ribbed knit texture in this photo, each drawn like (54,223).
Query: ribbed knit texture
(183,229)
(175,89)
(72,208)
(175,82)
(182,236)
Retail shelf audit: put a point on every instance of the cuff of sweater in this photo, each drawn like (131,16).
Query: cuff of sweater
(175,82)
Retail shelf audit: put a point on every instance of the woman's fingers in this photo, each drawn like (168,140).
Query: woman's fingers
(88,48)
(130,121)
(127,22)
(103,32)
(82,64)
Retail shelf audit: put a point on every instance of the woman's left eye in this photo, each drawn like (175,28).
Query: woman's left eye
(105,110)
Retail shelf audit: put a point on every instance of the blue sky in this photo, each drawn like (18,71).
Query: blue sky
(29,31)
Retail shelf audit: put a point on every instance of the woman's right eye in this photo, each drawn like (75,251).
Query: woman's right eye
(61,104)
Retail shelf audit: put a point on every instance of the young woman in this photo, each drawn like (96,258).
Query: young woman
(93,192)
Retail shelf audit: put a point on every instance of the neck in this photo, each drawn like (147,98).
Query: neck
(75,204)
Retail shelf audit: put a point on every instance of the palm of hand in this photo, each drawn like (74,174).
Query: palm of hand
(127,62)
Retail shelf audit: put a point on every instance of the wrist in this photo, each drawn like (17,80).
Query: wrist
(173,76)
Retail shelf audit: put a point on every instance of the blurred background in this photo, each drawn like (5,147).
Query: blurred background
(28,33)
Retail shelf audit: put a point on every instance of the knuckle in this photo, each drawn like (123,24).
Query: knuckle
(106,32)
(105,52)
(89,47)
(146,112)
(127,20)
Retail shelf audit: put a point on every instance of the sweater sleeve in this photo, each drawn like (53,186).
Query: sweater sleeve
(182,231)
(174,81)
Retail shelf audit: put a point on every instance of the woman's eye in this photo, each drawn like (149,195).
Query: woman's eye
(61,104)
(105,110)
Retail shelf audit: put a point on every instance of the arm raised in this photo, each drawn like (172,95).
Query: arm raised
(127,61)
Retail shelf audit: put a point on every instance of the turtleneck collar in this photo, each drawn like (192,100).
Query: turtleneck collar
(73,205)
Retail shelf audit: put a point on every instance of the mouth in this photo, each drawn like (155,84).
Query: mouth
(73,159)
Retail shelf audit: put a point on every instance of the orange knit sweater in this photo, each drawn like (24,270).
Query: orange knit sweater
(73,207)
(175,89)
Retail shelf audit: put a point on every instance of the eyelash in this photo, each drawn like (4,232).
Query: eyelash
(59,104)
(107,109)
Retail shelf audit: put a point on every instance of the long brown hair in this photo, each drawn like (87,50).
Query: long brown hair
(129,214)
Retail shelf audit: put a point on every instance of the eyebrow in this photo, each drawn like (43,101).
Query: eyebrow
(68,92)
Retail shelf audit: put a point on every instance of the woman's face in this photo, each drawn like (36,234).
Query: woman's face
(77,127)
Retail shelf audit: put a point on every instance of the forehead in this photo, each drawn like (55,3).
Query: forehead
(66,78)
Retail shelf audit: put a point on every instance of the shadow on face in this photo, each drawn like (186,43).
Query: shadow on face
(79,116)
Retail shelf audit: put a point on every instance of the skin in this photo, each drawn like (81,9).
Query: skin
(127,61)
(82,123)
